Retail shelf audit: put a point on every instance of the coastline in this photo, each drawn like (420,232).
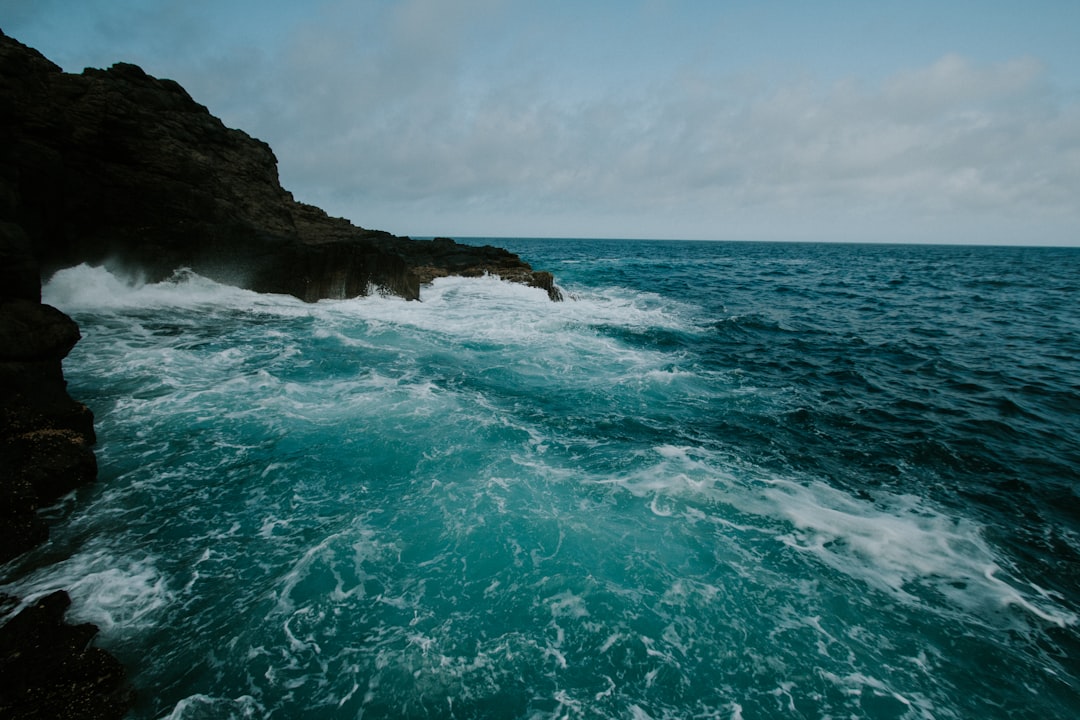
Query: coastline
(118,168)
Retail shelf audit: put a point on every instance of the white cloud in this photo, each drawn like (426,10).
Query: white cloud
(393,124)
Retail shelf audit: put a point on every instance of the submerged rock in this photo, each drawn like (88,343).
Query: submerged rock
(115,166)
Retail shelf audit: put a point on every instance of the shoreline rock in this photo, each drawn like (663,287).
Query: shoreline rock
(45,435)
(47,667)
(49,670)
(120,168)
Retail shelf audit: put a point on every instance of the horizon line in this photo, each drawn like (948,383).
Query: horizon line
(936,243)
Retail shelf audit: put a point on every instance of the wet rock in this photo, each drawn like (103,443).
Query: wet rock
(443,256)
(45,435)
(49,670)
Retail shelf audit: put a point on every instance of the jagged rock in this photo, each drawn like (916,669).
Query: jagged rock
(45,436)
(441,256)
(115,166)
(30,330)
(48,670)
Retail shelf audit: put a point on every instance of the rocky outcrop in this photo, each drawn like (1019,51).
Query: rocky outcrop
(115,166)
(45,436)
(49,670)
(47,667)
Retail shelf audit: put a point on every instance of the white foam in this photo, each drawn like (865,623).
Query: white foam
(681,472)
(300,570)
(857,684)
(94,288)
(567,604)
(366,546)
(899,544)
(506,326)
(489,310)
(465,310)
(200,707)
(118,594)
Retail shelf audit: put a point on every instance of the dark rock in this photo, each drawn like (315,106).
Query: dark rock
(30,330)
(546,282)
(19,274)
(21,529)
(443,256)
(52,462)
(118,167)
(45,436)
(48,670)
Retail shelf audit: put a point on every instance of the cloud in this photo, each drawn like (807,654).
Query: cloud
(399,122)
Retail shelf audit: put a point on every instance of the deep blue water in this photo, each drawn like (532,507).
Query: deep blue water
(727,480)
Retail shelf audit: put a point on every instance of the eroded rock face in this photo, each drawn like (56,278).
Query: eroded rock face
(115,166)
(45,436)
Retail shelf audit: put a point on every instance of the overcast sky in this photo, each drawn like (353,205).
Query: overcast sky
(906,120)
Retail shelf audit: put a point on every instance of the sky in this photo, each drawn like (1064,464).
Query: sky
(885,121)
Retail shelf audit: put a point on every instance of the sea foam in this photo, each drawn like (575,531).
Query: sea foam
(626,504)
(119,594)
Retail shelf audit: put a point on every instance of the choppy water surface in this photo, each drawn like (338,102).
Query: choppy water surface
(725,480)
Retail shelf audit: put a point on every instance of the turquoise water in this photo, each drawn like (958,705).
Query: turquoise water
(722,481)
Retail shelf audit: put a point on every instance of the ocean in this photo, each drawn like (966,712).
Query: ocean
(722,480)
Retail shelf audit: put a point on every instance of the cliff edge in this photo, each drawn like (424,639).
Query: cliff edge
(118,167)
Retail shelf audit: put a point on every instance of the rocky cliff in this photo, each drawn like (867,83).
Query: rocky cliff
(114,166)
